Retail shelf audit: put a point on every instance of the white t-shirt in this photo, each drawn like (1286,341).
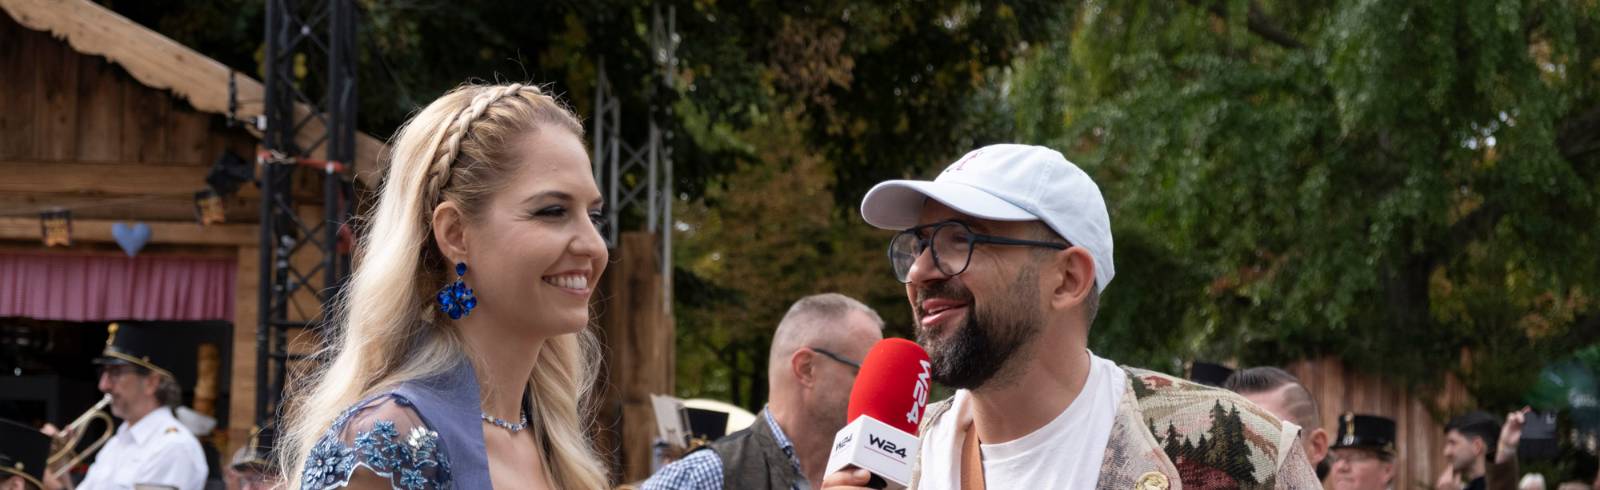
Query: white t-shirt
(1064,453)
(158,450)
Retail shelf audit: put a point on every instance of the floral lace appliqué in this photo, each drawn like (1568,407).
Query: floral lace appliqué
(410,458)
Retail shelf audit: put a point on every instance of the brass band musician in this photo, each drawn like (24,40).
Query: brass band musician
(150,447)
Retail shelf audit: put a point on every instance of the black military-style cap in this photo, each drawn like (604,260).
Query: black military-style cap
(1366,432)
(1208,373)
(136,344)
(23,452)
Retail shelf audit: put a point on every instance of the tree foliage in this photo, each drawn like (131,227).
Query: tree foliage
(1396,183)
(785,112)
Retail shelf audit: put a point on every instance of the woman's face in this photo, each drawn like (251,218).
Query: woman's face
(534,254)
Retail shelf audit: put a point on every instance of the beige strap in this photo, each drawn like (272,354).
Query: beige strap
(971,460)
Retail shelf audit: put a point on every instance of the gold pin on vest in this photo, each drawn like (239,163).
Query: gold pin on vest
(1152,481)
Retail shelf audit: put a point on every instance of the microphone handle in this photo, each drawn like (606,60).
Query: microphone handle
(877,482)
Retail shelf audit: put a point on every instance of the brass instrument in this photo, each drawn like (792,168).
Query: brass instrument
(64,453)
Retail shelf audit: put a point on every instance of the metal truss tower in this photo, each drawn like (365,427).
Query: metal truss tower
(636,176)
(301,256)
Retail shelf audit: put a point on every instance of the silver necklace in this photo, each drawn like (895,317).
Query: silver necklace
(506,424)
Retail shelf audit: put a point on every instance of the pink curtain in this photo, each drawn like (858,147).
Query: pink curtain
(112,287)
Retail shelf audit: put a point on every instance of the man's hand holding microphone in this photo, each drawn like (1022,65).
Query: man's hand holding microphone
(879,446)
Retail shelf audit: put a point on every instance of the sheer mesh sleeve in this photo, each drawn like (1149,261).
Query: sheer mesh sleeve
(379,443)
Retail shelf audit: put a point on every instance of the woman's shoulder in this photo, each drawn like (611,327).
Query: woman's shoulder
(382,439)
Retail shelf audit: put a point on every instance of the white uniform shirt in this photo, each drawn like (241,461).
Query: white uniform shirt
(1081,431)
(158,450)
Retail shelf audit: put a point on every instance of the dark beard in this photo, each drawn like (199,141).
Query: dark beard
(974,352)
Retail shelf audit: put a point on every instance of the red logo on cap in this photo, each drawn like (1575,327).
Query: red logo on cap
(962,163)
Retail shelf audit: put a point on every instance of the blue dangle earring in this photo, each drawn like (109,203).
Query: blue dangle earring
(456,299)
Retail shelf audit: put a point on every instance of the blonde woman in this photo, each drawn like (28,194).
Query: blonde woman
(461,358)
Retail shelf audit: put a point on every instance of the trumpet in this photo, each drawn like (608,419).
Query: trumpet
(64,453)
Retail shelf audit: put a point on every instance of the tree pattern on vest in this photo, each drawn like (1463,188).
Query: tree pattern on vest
(1213,437)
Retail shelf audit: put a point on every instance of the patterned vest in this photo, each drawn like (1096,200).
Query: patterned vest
(1171,433)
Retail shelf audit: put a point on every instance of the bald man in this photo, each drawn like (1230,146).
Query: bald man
(810,369)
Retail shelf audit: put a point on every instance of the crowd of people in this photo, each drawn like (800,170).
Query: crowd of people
(461,356)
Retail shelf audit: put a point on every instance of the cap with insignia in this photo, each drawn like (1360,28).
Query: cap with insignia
(1365,432)
(256,454)
(1209,373)
(23,452)
(136,344)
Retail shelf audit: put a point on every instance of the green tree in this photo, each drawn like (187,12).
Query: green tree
(770,238)
(1395,183)
(785,112)
(1174,447)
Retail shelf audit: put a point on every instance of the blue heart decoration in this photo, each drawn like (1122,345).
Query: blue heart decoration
(131,237)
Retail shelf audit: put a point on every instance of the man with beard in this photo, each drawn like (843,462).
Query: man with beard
(1004,257)
(1468,441)
(811,367)
(150,447)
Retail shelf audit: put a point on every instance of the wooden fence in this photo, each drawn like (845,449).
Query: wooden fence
(1420,436)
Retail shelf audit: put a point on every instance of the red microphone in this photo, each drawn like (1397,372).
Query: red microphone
(886,406)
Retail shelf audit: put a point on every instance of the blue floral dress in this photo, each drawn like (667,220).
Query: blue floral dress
(386,436)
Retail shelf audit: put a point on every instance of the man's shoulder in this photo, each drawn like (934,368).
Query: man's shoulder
(933,414)
(176,439)
(1209,433)
(168,430)
(1159,393)
(700,469)
(702,457)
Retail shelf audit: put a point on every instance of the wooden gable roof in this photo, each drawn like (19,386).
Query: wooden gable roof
(161,63)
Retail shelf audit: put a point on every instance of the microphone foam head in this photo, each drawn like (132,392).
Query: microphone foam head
(892,386)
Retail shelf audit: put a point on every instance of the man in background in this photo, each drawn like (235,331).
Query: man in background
(151,447)
(1362,456)
(1468,440)
(811,367)
(252,466)
(1279,392)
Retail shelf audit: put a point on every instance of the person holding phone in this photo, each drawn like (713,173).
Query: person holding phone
(1504,473)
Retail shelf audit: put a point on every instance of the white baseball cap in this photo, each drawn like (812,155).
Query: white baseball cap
(1007,183)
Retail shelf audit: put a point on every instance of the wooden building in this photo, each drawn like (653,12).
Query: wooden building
(119,126)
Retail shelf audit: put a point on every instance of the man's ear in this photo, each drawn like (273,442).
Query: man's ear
(1319,445)
(1070,278)
(152,383)
(450,231)
(802,366)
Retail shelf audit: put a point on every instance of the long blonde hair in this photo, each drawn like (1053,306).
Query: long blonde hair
(386,329)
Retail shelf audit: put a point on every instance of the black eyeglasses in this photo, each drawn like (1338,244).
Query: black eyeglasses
(842,360)
(116,370)
(952,242)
